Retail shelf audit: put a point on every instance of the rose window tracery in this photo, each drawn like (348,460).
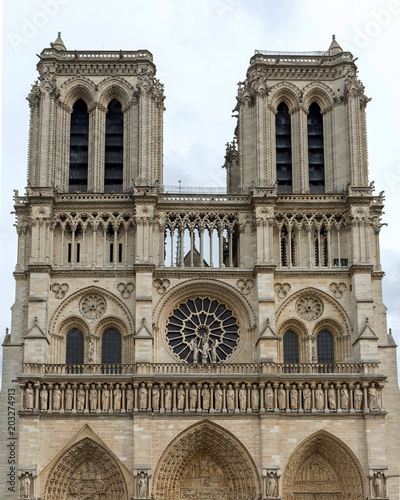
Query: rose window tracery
(202,330)
(92,306)
(309,308)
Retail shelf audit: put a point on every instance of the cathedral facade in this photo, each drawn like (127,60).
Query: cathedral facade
(193,346)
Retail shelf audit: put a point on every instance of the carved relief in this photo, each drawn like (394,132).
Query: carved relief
(271,483)
(60,289)
(309,308)
(26,486)
(161,285)
(125,289)
(245,285)
(378,485)
(282,289)
(87,483)
(92,306)
(203,479)
(338,289)
(141,484)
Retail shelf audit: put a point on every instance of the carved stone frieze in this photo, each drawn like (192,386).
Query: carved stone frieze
(245,285)
(282,289)
(161,285)
(309,308)
(338,289)
(92,306)
(60,289)
(125,289)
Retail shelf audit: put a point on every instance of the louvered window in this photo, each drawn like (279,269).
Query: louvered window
(113,168)
(79,146)
(283,149)
(315,150)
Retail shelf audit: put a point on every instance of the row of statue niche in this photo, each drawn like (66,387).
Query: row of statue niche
(205,349)
(195,397)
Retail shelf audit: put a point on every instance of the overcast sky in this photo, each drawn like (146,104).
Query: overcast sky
(202,49)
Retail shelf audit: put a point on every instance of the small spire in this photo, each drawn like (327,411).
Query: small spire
(58,44)
(334,47)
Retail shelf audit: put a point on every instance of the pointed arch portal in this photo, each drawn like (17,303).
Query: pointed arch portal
(206,462)
(86,471)
(323,468)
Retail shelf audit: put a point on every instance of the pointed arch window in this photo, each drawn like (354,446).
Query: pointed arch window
(283,149)
(290,348)
(325,347)
(113,168)
(316,169)
(75,347)
(111,347)
(79,147)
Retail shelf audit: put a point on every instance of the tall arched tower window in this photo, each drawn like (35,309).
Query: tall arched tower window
(325,348)
(75,347)
(315,131)
(79,147)
(111,347)
(290,348)
(283,149)
(113,168)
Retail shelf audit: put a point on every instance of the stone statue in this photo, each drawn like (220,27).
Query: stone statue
(80,398)
(358,397)
(69,397)
(378,484)
(272,485)
(314,354)
(319,398)
(29,397)
(193,398)
(194,347)
(105,398)
(242,398)
(294,396)
(205,393)
(93,398)
(56,398)
(372,397)
(26,483)
(344,398)
(143,397)
(307,398)
(129,398)
(332,398)
(214,344)
(168,398)
(181,398)
(281,397)
(142,485)
(155,400)
(219,394)
(205,350)
(91,350)
(117,398)
(230,398)
(43,398)
(269,397)
(255,398)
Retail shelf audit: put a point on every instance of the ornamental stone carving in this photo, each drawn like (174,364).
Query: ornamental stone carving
(309,308)
(378,484)
(245,285)
(161,285)
(26,486)
(271,481)
(59,289)
(92,306)
(338,289)
(125,289)
(282,289)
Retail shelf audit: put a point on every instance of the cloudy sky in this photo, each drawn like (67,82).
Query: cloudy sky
(202,49)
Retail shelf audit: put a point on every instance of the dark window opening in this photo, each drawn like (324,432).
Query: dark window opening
(113,168)
(78,252)
(290,348)
(111,252)
(315,150)
(74,351)
(69,252)
(120,252)
(79,147)
(111,350)
(283,149)
(325,347)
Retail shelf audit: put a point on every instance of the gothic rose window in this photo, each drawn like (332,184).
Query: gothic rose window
(202,330)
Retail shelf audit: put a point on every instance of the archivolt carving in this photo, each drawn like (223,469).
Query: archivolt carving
(323,464)
(73,322)
(78,88)
(86,471)
(286,92)
(317,92)
(115,88)
(233,474)
(111,322)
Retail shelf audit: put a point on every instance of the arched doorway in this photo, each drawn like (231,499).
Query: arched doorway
(206,462)
(86,471)
(322,467)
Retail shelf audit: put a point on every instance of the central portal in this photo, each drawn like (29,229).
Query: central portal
(203,479)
